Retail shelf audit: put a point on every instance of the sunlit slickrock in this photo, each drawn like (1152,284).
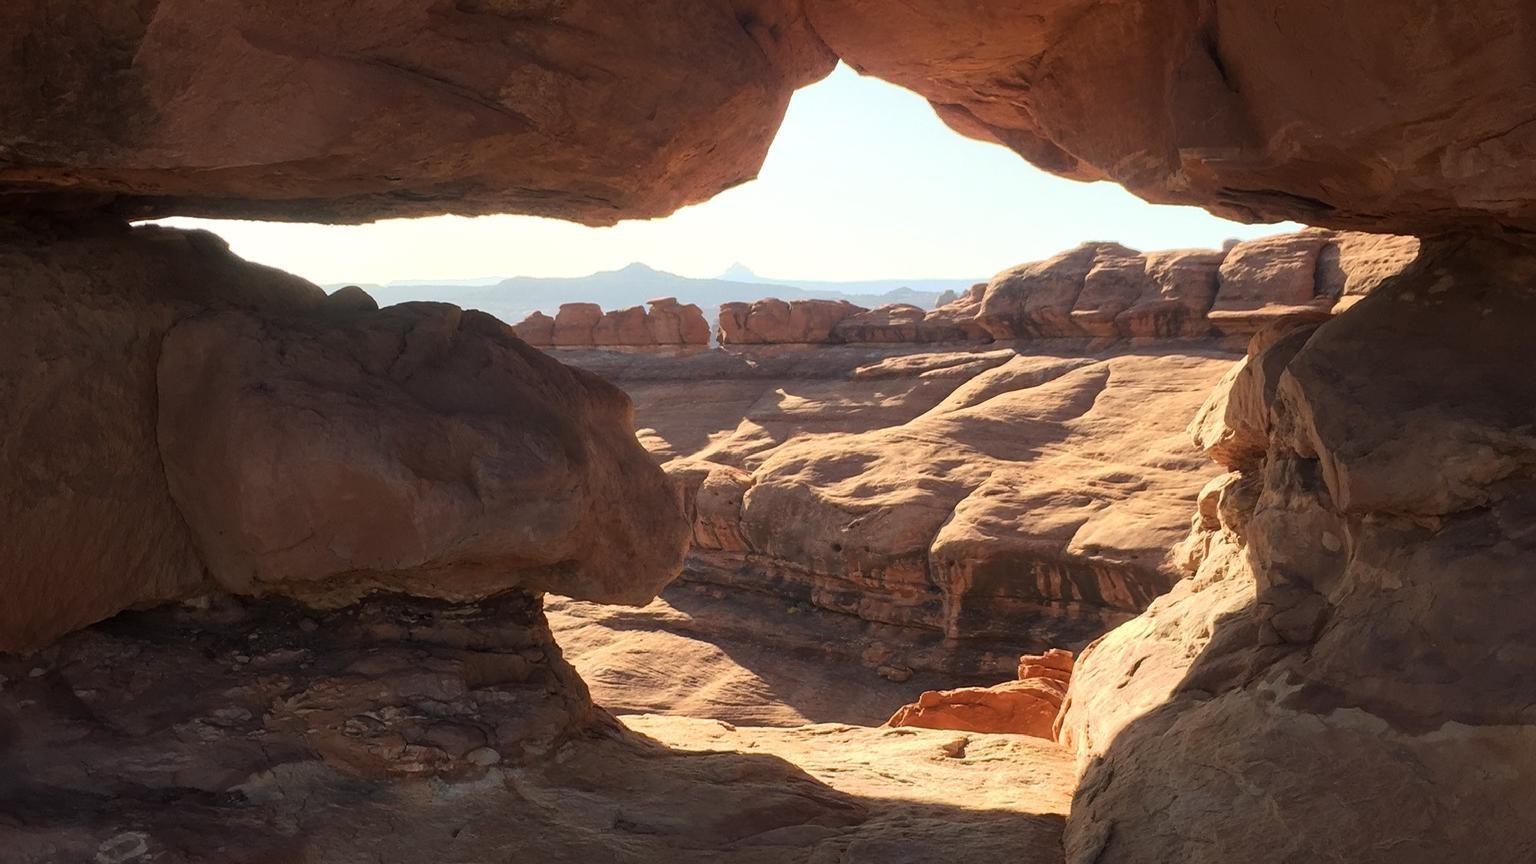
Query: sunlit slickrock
(1353,633)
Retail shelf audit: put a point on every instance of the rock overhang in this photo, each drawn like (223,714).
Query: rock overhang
(1386,116)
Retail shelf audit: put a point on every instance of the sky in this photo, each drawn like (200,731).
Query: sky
(862,182)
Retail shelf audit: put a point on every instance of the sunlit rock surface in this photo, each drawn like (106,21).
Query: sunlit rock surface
(1350,648)
(183,419)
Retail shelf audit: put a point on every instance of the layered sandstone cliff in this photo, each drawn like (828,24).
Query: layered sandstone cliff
(1107,291)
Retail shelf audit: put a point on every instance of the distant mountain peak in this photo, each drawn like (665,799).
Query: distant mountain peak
(637,268)
(739,272)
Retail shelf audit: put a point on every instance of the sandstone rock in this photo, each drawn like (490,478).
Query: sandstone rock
(623,327)
(575,324)
(1270,278)
(370,733)
(1027,706)
(1036,300)
(181,414)
(278,109)
(470,464)
(956,321)
(1257,111)
(1355,264)
(90,525)
(672,323)
(537,330)
(773,321)
(1175,301)
(996,496)
(351,298)
(893,322)
(1354,627)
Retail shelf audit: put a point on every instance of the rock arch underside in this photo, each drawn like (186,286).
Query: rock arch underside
(360,508)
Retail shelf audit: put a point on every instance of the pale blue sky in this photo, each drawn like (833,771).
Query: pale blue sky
(863,182)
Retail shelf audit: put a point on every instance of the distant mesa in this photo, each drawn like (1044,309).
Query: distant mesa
(740,272)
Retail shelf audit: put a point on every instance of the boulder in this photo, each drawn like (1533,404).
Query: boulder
(323,463)
(575,325)
(672,323)
(1027,706)
(627,327)
(183,420)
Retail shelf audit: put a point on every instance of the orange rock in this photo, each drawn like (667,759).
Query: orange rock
(537,330)
(1025,707)
(627,327)
(574,324)
(772,321)
(672,323)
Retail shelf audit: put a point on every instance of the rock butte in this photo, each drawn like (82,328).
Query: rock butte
(1345,676)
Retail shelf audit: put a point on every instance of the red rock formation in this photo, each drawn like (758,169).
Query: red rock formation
(537,330)
(999,497)
(672,323)
(1107,291)
(575,324)
(893,322)
(348,112)
(623,328)
(774,321)
(1354,629)
(1259,110)
(1027,706)
(668,324)
(180,415)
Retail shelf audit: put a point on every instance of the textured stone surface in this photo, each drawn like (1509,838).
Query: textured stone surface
(351,111)
(420,449)
(1352,642)
(1027,706)
(180,415)
(667,324)
(1385,115)
(1108,291)
(774,321)
(1023,500)
(410,730)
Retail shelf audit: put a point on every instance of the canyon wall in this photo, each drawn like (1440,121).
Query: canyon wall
(1349,643)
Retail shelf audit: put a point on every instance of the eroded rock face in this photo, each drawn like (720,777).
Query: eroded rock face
(278,109)
(185,417)
(1353,632)
(1384,116)
(1387,116)
(1014,499)
(774,321)
(1107,291)
(667,324)
(1027,706)
(402,729)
